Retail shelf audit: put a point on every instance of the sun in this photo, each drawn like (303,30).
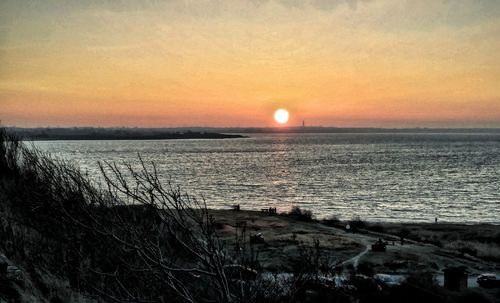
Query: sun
(281,116)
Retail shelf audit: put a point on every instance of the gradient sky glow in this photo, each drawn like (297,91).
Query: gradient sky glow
(382,63)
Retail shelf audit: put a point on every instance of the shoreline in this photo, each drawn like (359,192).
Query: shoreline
(316,218)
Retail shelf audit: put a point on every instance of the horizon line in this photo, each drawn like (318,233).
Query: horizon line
(253,127)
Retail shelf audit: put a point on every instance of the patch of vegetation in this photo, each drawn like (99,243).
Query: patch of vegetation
(132,240)
(487,251)
(332,220)
(475,296)
(300,214)
(357,223)
(379,228)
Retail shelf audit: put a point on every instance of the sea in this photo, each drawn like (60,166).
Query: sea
(391,177)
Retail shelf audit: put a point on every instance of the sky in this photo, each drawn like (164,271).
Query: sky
(345,63)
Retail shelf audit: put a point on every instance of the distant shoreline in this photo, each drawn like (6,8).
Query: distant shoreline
(73,134)
(211,136)
(353,130)
(224,132)
(103,134)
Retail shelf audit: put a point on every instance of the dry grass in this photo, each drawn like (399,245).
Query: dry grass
(487,251)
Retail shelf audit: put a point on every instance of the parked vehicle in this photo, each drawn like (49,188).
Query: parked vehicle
(387,281)
(488,281)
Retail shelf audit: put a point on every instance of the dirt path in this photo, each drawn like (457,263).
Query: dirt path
(355,260)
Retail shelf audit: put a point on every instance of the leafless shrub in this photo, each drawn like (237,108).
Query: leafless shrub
(134,240)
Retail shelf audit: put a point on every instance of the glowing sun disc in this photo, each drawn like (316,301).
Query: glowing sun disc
(281,116)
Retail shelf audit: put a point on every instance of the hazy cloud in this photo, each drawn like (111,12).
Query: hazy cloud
(349,53)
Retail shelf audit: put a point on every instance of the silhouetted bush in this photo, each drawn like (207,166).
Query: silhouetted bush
(377,228)
(332,220)
(423,279)
(366,268)
(357,223)
(496,239)
(470,295)
(299,214)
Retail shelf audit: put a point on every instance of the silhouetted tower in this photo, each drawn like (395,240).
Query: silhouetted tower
(303,123)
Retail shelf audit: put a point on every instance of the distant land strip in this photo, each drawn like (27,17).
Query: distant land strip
(139,133)
(49,134)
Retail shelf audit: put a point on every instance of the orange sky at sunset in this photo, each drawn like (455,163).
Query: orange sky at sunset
(386,63)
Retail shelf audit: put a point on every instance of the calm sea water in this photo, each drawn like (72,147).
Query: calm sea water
(390,177)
